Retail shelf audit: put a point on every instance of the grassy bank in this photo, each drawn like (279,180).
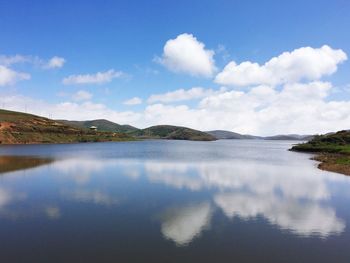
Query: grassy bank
(333,151)
(334,163)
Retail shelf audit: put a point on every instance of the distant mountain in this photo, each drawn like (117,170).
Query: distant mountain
(22,128)
(155,132)
(101,124)
(172,133)
(290,137)
(17,127)
(223,135)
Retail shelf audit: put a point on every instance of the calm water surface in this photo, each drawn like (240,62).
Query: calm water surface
(170,201)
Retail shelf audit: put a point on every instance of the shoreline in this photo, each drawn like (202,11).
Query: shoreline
(60,143)
(332,162)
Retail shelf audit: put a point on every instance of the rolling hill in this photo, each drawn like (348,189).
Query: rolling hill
(172,133)
(155,132)
(289,137)
(228,135)
(101,124)
(23,128)
(338,142)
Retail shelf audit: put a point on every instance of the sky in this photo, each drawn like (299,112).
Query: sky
(253,67)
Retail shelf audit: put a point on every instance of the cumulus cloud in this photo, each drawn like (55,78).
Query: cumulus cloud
(303,108)
(300,104)
(97,78)
(305,63)
(10,77)
(9,60)
(186,54)
(82,95)
(55,62)
(133,101)
(180,95)
(222,50)
(263,110)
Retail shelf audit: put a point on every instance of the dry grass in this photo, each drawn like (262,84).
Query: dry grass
(334,163)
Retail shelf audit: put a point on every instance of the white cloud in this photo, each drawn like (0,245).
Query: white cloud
(82,95)
(222,50)
(133,101)
(97,78)
(262,110)
(10,77)
(55,62)
(180,95)
(9,60)
(296,108)
(305,63)
(186,54)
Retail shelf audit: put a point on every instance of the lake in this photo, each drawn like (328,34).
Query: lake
(170,201)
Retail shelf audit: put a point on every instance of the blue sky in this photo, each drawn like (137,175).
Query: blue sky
(130,37)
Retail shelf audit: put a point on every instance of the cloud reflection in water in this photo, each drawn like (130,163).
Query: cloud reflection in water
(183,224)
(290,197)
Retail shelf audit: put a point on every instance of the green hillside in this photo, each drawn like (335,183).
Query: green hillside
(333,151)
(228,135)
(22,128)
(289,137)
(102,125)
(338,142)
(173,133)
